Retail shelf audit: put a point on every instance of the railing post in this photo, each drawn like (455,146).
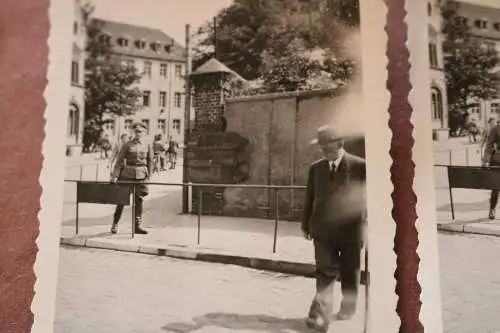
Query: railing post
(276,218)
(97,172)
(76,212)
(200,207)
(467,156)
(449,157)
(133,209)
(81,171)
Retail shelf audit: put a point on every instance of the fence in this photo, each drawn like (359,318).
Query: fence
(104,192)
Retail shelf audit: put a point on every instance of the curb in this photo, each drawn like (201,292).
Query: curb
(468,229)
(277,266)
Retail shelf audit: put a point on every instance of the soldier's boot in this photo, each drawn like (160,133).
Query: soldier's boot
(114,228)
(347,307)
(138,229)
(492,214)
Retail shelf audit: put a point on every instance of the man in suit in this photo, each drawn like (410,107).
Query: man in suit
(334,217)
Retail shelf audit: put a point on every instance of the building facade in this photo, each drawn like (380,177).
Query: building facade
(76,110)
(439,114)
(161,62)
(484,23)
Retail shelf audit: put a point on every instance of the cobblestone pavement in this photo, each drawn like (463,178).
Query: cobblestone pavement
(470,283)
(109,292)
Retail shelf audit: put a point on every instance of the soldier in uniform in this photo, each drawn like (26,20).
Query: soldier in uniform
(334,217)
(134,163)
(492,157)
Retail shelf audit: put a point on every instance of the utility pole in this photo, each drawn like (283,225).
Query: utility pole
(187,121)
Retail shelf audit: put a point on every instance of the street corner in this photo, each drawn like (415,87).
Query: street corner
(450,226)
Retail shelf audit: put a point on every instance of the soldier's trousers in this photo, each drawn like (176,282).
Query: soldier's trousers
(141,190)
(342,260)
(494,193)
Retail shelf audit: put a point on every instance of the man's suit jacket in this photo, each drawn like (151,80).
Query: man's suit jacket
(335,208)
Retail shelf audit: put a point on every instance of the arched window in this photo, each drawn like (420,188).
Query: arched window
(73,119)
(436,104)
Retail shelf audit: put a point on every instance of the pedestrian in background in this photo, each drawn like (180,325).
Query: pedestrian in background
(134,163)
(159,153)
(334,217)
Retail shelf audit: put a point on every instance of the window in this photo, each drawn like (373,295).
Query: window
(122,41)
(429,9)
(155,47)
(163,99)
(495,108)
(475,111)
(75,28)
(436,104)
(128,125)
(433,59)
(75,72)
(146,98)
(481,24)
(161,126)
(178,70)
(140,44)
(496,26)
(109,127)
(145,122)
(177,99)
(130,62)
(73,120)
(105,39)
(163,70)
(147,67)
(176,124)
(167,48)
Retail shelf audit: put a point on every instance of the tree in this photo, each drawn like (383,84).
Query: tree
(286,44)
(109,84)
(469,64)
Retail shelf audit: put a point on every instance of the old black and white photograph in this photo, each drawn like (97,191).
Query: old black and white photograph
(216,171)
(465,84)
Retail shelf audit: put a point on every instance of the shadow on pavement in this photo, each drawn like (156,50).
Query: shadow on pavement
(236,322)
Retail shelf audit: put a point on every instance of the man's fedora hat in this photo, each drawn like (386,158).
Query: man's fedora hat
(326,135)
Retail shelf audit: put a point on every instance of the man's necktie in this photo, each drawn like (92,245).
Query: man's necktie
(332,171)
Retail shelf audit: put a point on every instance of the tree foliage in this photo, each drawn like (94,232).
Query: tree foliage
(109,84)
(469,62)
(286,44)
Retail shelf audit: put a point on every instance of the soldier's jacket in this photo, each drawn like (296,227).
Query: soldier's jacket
(134,161)
(491,154)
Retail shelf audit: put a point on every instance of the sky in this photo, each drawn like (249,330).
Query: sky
(170,16)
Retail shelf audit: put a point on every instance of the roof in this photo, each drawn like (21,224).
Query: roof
(147,34)
(215,66)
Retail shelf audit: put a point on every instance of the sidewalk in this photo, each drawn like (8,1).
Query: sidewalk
(239,241)
(471,206)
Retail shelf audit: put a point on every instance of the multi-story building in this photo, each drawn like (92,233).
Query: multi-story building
(484,23)
(161,62)
(439,108)
(76,110)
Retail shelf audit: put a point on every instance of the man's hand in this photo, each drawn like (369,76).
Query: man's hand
(113,179)
(485,164)
(306,235)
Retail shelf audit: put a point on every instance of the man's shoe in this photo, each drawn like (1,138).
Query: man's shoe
(318,323)
(140,231)
(491,215)
(345,313)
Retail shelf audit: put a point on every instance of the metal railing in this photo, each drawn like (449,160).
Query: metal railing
(200,190)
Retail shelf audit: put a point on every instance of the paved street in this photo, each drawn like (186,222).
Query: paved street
(470,283)
(109,292)
(102,291)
